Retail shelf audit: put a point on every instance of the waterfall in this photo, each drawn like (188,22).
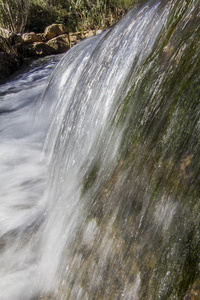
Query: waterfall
(99,187)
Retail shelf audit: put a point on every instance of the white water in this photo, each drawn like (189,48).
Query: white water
(48,142)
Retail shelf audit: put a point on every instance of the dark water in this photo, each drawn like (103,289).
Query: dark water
(100,165)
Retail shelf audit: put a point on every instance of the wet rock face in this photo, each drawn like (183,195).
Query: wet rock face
(141,239)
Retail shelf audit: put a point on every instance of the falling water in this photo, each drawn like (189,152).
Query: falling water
(99,170)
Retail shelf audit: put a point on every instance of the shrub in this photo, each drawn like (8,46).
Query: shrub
(14,14)
(41,15)
(35,15)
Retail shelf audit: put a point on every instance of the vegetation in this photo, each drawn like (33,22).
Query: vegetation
(35,15)
(14,14)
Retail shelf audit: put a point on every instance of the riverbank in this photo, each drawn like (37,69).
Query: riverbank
(17,49)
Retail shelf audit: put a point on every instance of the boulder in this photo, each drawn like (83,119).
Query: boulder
(73,39)
(89,33)
(36,49)
(99,31)
(76,37)
(41,37)
(17,40)
(59,44)
(55,30)
(31,37)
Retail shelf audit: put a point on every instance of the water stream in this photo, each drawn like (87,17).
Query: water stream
(99,181)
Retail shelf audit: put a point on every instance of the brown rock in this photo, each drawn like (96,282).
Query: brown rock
(36,49)
(17,40)
(59,44)
(29,38)
(99,31)
(41,37)
(73,39)
(90,33)
(55,30)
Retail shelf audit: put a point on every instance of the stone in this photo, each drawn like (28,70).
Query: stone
(73,39)
(17,40)
(90,33)
(36,49)
(59,44)
(41,37)
(99,31)
(55,30)
(31,37)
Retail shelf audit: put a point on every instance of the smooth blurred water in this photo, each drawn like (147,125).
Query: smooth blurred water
(23,175)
